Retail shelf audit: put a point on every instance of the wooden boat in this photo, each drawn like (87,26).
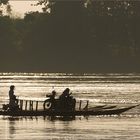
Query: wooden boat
(59,107)
(100,111)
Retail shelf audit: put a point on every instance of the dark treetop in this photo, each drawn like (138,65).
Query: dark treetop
(76,36)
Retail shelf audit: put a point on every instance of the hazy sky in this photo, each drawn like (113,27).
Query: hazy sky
(19,7)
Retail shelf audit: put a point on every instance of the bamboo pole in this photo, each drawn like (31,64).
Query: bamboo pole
(36,105)
(26,103)
(31,105)
(80,104)
(87,104)
(21,104)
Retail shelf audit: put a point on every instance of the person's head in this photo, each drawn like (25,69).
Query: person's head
(12,87)
(53,92)
(67,90)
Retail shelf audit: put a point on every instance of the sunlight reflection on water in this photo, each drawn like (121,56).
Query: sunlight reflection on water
(80,128)
(116,89)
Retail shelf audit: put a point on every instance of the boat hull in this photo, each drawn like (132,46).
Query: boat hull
(66,113)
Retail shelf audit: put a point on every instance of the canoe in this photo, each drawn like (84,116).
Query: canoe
(96,112)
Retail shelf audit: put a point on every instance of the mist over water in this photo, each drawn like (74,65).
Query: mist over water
(117,89)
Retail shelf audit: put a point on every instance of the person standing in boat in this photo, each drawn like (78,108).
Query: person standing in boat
(12,97)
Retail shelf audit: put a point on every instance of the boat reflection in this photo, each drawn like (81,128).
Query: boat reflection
(61,118)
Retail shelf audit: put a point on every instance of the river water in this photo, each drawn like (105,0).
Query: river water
(99,89)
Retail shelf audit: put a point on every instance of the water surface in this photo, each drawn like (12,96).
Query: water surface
(114,89)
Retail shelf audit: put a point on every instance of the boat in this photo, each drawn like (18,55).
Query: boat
(96,112)
(60,107)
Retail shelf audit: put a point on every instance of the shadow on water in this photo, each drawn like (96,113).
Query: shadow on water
(11,123)
(13,119)
(12,130)
(61,118)
(17,126)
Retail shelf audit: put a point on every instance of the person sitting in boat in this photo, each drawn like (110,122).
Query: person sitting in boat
(51,100)
(67,102)
(13,102)
(66,94)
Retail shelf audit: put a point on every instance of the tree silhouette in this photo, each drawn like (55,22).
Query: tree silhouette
(73,36)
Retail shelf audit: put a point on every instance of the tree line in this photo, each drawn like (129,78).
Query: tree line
(73,36)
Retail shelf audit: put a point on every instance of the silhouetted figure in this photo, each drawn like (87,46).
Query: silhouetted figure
(66,93)
(12,98)
(67,103)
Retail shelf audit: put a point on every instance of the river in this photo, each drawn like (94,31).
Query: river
(111,88)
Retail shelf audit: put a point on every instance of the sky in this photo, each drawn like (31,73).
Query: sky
(19,7)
